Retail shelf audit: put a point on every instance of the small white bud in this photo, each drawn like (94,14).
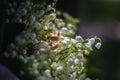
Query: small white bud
(87,79)
(70,62)
(91,41)
(35,65)
(36,72)
(32,21)
(88,45)
(41,13)
(47,73)
(59,69)
(73,40)
(76,61)
(35,41)
(64,42)
(37,25)
(23,12)
(33,35)
(80,55)
(49,7)
(64,29)
(52,16)
(41,78)
(56,78)
(78,37)
(74,75)
(42,49)
(54,65)
(98,45)
(32,18)
(21,58)
(14,54)
(24,51)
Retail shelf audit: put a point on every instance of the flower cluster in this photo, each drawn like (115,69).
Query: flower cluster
(45,47)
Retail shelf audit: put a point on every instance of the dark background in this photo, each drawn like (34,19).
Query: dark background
(97,17)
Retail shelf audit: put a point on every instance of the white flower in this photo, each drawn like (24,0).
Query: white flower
(64,42)
(80,55)
(98,45)
(78,45)
(37,53)
(54,65)
(37,25)
(32,57)
(21,57)
(56,78)
(35,41)
(88,45)
(35,60)
(14,54)
(60,24)
(70,32)
(70,25)
(41,13)
(41,78)
(64,29)
(47,73)
(70,62)
(24,51)
(42,49)
(74,75)
(87,79)
(32,18)
(49,7)
(91,41)
(52,16)
(45,63)
(35,65)
(73,41)
(59,69)
(36,72)
(32,21)
(32,35)
(23,12)
(78,37)
(67,39)
(54,44)
(76,61)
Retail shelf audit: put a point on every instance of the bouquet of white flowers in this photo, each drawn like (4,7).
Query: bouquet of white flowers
(47,49)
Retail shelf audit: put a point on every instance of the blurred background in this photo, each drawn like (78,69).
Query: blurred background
(98,18)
